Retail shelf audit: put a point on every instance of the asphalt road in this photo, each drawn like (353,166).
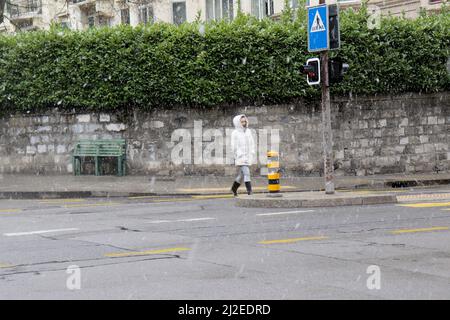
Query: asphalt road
(206,248)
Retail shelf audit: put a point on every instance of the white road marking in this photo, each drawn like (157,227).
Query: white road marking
(38,232)
(285,212)
(159,221)
(181,220)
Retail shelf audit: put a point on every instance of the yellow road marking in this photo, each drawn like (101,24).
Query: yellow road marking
(426,205)
(213,197)
(61,201)
(5,265)
(10,210)
(291,240)
(218,196)
(144,253)
(173,200)
(419,230)
(144,197)
(228,189)
(192,198)
(425,197)
(372,191)
(92,205)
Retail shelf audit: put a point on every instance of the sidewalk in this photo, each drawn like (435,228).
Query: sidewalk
(63,186)
(314,199)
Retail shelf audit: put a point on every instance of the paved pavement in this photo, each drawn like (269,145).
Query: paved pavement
(63,186)
(314,199)
(204,247)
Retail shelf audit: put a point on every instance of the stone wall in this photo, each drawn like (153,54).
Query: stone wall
(372,135)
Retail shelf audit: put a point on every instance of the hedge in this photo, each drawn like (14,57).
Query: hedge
(245,61)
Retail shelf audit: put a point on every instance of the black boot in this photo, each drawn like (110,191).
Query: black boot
(248,185)
(235,187)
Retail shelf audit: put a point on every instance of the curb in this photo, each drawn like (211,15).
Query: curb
(311,203)
(36,195)
(18,195)
(415,183)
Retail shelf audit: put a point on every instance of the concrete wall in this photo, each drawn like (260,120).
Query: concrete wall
(372,135)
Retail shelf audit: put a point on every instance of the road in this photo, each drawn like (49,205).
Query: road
(206,248)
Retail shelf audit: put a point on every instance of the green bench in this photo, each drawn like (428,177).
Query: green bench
(98,149)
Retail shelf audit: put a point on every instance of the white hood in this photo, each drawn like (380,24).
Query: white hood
(237,121)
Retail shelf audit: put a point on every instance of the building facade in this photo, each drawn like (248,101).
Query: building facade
(24,15)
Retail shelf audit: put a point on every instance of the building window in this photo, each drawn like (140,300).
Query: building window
(103,21)
(90,14)
(125,16)
(146,15)
(262,8)
(179,12)
(33,5)
(91,21)
(219,9)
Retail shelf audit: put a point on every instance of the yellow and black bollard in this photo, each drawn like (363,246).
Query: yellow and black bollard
(273,174)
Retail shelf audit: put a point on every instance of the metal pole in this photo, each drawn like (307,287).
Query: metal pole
(326,124)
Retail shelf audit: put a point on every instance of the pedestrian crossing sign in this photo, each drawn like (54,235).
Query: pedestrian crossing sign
(318,28)
(317,24)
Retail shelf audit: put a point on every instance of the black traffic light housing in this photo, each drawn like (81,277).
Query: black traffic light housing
(312,70)
(336,70)
(333,27)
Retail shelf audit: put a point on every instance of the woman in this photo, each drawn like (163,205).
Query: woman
(243,147)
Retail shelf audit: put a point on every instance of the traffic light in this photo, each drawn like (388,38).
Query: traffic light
(333,27)
(312,70)
(336,70)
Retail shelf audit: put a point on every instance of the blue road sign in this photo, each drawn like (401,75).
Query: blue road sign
(318,28)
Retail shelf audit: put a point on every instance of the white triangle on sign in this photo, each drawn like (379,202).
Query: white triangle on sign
(317,24)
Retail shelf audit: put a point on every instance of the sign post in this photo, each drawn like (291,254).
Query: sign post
(327,133)
(319,41)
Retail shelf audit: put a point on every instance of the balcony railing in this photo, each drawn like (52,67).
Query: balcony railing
(24,8)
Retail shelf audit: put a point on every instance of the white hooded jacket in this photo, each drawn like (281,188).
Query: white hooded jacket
(242,143)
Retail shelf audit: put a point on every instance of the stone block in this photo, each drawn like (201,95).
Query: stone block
(31,150)
(91,127)
(382,123)
(35,139)
(419,149)
(78,128)
(115,127)
(61,148)
(41,148)
(104,117)
(44,129)
(429,148)
(156,124)
(404,122)
(432,120)
(84,118)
